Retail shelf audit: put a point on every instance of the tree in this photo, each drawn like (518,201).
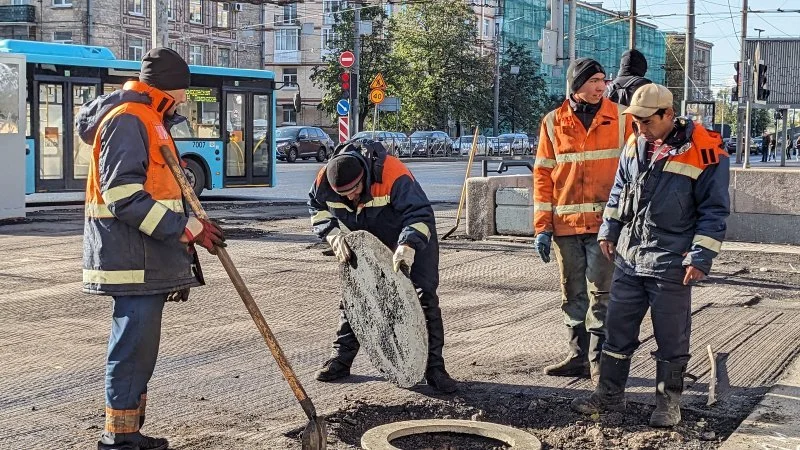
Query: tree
(443,79)
(375,57)
(726,112)
(523,96)
(760,120)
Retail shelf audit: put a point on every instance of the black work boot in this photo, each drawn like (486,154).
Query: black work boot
(609,395)
(439,379)
(669,387)
(576,364)
(130,441)
(333,369)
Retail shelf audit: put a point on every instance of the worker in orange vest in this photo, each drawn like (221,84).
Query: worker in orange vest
(579,147)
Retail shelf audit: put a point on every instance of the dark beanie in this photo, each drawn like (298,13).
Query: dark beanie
(163,68)
(582,70)
(344,172)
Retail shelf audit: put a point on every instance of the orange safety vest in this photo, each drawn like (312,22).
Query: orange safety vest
(575,168)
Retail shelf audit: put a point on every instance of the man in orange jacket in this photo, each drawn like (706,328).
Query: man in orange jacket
(579,147)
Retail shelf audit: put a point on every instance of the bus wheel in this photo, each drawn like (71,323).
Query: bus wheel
(321,154)
(291,155)
(196,175)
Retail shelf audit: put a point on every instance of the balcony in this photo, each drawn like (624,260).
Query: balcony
(21,14)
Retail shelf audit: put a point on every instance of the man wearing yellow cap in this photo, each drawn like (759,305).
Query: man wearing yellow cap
(662,227)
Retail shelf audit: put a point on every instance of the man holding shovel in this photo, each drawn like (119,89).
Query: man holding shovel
(363,188)
(138,238)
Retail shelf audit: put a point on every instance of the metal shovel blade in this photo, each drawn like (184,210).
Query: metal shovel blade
(314,435)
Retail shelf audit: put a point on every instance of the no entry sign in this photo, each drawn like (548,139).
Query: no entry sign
(347,58)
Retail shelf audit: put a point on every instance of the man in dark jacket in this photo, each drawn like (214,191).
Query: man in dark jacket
(663,225)
(363,188)
(138,239)
(632,68)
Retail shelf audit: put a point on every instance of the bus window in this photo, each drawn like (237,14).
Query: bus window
(261,136)
(202,113)
(109,88)
(82,152)
(51,131)
(235,156)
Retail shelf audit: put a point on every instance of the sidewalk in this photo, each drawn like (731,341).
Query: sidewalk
(775,423)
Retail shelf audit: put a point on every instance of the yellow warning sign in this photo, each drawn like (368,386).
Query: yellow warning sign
(376,96)
(378,83)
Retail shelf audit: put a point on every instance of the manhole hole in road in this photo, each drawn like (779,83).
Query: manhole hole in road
(447,434)
(544,415)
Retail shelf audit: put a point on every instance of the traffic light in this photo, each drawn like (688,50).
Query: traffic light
(344,80)
(737,80)
(761,80)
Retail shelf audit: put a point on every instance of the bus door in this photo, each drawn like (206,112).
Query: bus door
(62,161)
(248,137)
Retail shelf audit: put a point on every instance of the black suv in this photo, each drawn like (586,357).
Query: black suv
(302,142)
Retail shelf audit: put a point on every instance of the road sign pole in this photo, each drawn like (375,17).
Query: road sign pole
(374,121)
(355,104)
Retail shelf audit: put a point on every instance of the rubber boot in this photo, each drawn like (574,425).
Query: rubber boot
(576,364)
(669,387)
(333,369)
(595,350)
(130,441)
(609,395)
(439,379)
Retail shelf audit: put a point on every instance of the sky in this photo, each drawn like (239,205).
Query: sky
(719,22)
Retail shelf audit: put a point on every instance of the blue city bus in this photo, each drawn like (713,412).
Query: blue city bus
(227,141)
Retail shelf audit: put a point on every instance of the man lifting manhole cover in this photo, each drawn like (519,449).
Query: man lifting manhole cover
(363,188)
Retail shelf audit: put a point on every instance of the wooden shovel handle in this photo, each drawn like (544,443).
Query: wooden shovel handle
(241,288)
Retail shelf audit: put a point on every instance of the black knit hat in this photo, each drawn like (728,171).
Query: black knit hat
(164,69)
(344,171)
(582,70)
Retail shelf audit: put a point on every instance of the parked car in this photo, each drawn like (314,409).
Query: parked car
(302,142)
(427,143)
(462,145)
(392,140)
(513,144)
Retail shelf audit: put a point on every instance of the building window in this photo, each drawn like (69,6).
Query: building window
(486,27)
(387,9)
(21,2)
(224,57)
(289,115)
(171,10)
(135,48)
(136,7)
(223,15)
(330,8)
(195,11)
(290,13)
(62,2)
(64,37)
(196,54)
(290,77)
(287,40)
(328,36)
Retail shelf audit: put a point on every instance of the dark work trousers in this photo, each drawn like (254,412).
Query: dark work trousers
(670,306)
(585,282)
(132,353)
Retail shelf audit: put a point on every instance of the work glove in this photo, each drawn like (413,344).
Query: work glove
(204,233)
(340,248)
(542,245)
(403,256)
(178,296)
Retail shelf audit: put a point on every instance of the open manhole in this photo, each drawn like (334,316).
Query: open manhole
(447,433)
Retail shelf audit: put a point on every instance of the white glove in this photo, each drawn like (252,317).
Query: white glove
(403,256)
(336,240)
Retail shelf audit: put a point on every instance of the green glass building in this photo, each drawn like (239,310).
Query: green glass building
(601,35)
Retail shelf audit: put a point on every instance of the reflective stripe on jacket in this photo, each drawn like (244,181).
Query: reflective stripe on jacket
(574,168)
(134,212)
(394,208)
(679,210)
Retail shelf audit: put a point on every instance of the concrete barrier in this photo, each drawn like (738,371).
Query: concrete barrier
(765,206)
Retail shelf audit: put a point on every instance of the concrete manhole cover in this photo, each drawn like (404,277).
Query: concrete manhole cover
(384,311)
(380,438)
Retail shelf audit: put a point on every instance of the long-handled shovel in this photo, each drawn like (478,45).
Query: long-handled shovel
(314,435)
(472,151)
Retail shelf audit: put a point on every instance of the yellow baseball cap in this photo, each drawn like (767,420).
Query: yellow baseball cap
(648,99)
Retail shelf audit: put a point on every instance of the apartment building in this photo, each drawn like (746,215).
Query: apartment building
(675,58)
(203,32)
